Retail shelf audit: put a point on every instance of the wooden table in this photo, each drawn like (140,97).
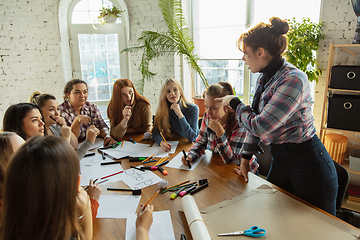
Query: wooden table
(224,184)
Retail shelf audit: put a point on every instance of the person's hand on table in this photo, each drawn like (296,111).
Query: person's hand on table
(188,158)
(165,147)
(108,140)
(143,222)
(243,169)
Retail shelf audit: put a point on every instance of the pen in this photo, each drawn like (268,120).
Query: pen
(103,155)
(130,139)
(110,163)
(91,121)
(163,171)
(150,161)
(188,162)
(137,159)
(176,185)
(89,154)
(186,191)
(152,168)
(55,121)
(93,182)
(174,195)
(163,163)
(111,175)
(134,192)
(199,188)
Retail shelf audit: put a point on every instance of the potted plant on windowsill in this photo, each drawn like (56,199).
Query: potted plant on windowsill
(109,15)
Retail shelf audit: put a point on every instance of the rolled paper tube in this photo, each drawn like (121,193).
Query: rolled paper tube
(193,217)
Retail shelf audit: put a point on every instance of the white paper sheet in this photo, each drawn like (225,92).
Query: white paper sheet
(128,149)
(117,206)
(161,228)
(90,168)
(176,162)
(137,179)
(161,153)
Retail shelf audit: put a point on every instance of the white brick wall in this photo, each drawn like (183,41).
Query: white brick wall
(30,49)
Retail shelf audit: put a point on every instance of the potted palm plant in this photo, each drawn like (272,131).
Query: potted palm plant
(176,40)
(109,15)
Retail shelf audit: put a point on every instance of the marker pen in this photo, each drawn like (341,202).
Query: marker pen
(150,161)
(163,171)
(188,162)
(199,188)
(89,154)
(131,140)
(137,159)
(186,191)
(152,168)
(174,195)
(103,155)
(110,163)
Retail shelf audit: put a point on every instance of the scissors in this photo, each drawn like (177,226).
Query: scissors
(254,231)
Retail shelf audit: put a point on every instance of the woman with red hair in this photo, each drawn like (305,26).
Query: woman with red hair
(128,111)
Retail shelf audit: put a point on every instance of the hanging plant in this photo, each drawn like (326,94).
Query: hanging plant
(109,13)
(303,42)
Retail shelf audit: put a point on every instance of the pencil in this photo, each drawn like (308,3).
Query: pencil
(111,175)
(122,144)
(163,138)
(152,198)
(149,158)
(176,185)
(162,160)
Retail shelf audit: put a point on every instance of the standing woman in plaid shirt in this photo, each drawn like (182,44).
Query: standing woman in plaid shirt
(281,116)
(220,132)
(80,114)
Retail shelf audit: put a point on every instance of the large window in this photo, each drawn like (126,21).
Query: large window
(217,25)
(96,48)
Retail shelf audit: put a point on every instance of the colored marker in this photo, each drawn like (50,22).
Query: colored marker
(199,188)
(150,161)
(176,185)
(103,155)
(89,154)
(110,163)
(55,121)
(186,191)
(130,139)
(138,168)
(137,159)
(163,171)
(93,182)
(134,192)
(188,162)
(111,175)
(152,168)
(174,195)
(91,120)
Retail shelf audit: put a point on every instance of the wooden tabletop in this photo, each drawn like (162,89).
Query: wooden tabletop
(224,184)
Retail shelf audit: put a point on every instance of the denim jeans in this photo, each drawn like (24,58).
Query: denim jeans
(307,171)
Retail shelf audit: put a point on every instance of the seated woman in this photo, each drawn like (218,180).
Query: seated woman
(9,143)
(219,130)
(128,111)
(45,173)
(175,117)
(79,114)
(56,125)
(25,120)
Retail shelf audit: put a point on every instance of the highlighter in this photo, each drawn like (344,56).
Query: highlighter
(152,168)
(163,171)
(130,139)
(186,191)
(188,163)
(174,195)
(199,188)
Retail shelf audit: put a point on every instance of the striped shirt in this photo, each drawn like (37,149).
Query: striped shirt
(228,147)
(285,114)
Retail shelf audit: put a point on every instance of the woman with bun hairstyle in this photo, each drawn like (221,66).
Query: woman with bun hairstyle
(42,193)
(175,117)
(281,116)
(128,111)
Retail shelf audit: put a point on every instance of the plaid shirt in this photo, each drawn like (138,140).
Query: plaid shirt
(228,147)
(285,111)
(69,114)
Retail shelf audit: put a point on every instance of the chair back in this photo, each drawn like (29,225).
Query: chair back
(343,182)
(264,159)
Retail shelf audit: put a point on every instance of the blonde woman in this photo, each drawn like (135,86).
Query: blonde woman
(175,117)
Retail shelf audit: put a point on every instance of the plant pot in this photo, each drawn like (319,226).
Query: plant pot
(200,102)
(110,19)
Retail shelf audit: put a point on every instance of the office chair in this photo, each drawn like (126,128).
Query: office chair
(264,159)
